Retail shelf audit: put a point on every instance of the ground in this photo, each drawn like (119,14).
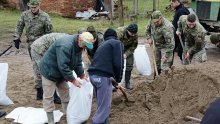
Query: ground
(187,90)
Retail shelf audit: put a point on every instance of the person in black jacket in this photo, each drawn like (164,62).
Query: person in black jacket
(179,11)
(107,62)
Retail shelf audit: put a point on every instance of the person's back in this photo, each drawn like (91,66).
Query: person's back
(42,44)
(107,60)
(55,59)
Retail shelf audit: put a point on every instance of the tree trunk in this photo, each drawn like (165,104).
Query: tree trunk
(120,13)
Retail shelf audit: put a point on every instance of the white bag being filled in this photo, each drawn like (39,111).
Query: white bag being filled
(30,115)
(142,60)
(80,104)
(4,100)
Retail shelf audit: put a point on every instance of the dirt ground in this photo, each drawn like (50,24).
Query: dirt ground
(187,90)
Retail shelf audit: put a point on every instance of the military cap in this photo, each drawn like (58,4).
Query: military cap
(156,15)
(133,28)
(33,3)
(92,30)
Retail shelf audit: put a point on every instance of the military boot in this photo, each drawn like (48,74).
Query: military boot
(127,80)
(39,93)
(64,105)
(50,118)
(56,98)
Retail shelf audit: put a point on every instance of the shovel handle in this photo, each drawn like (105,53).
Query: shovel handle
(120,88)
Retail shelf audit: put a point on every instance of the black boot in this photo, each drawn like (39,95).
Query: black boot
(127,80)
(39,93)
(56,98)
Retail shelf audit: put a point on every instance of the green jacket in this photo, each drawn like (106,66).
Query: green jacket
(194,38)
(163,35)
(62,57)
(35,25)
(130,44)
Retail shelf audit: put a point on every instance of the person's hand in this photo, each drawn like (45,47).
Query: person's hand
(150,41)
(76,83)
(164,59)
(178,33)
(187,56)
(84,77)
(125,56)
(17,43)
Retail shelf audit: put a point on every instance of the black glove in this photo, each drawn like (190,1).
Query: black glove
(17,43)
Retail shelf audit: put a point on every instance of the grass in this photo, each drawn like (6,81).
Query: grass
(9,18)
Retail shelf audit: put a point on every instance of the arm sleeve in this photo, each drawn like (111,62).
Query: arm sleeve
(19,27)
(48,25)
(169,40)
(78,68)
(63,61)
(118,61)
(199,43)
(130,51)
(179,28)
(148,30)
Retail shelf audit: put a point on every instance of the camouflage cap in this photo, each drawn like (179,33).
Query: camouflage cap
(92,30)
(33,3)
(156,15)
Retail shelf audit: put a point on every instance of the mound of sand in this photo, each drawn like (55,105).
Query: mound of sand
(169,98)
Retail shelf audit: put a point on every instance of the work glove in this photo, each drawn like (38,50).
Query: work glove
(17,43)
(76,83)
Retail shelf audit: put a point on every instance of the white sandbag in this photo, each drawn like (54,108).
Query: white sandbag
(123,75)
(79,107)
(4,100)
(30,115)
(142,60)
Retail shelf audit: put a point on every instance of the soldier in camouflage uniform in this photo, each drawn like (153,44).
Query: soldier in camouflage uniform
(128,36)
(38,48)
(36,23)
(161,31)
(194,34)
(98,40)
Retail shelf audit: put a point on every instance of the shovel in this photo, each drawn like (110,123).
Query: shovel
(122,90)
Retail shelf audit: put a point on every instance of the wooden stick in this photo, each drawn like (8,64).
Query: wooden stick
(154,59)
(193,118)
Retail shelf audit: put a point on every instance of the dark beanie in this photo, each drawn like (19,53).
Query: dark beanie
(133,28)
(110,33)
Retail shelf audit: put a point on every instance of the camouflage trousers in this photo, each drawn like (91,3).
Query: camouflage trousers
(163,65)
(35,61)
(129,62)
(198,57)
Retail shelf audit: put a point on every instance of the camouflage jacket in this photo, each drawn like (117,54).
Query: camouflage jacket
(42,44)
(35,25)
(194,38)
(163,35)
(130,44)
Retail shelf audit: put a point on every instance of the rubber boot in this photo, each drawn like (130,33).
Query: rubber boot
(39,94)
(56,98)
(127,80)
(50,118)
(64,105)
